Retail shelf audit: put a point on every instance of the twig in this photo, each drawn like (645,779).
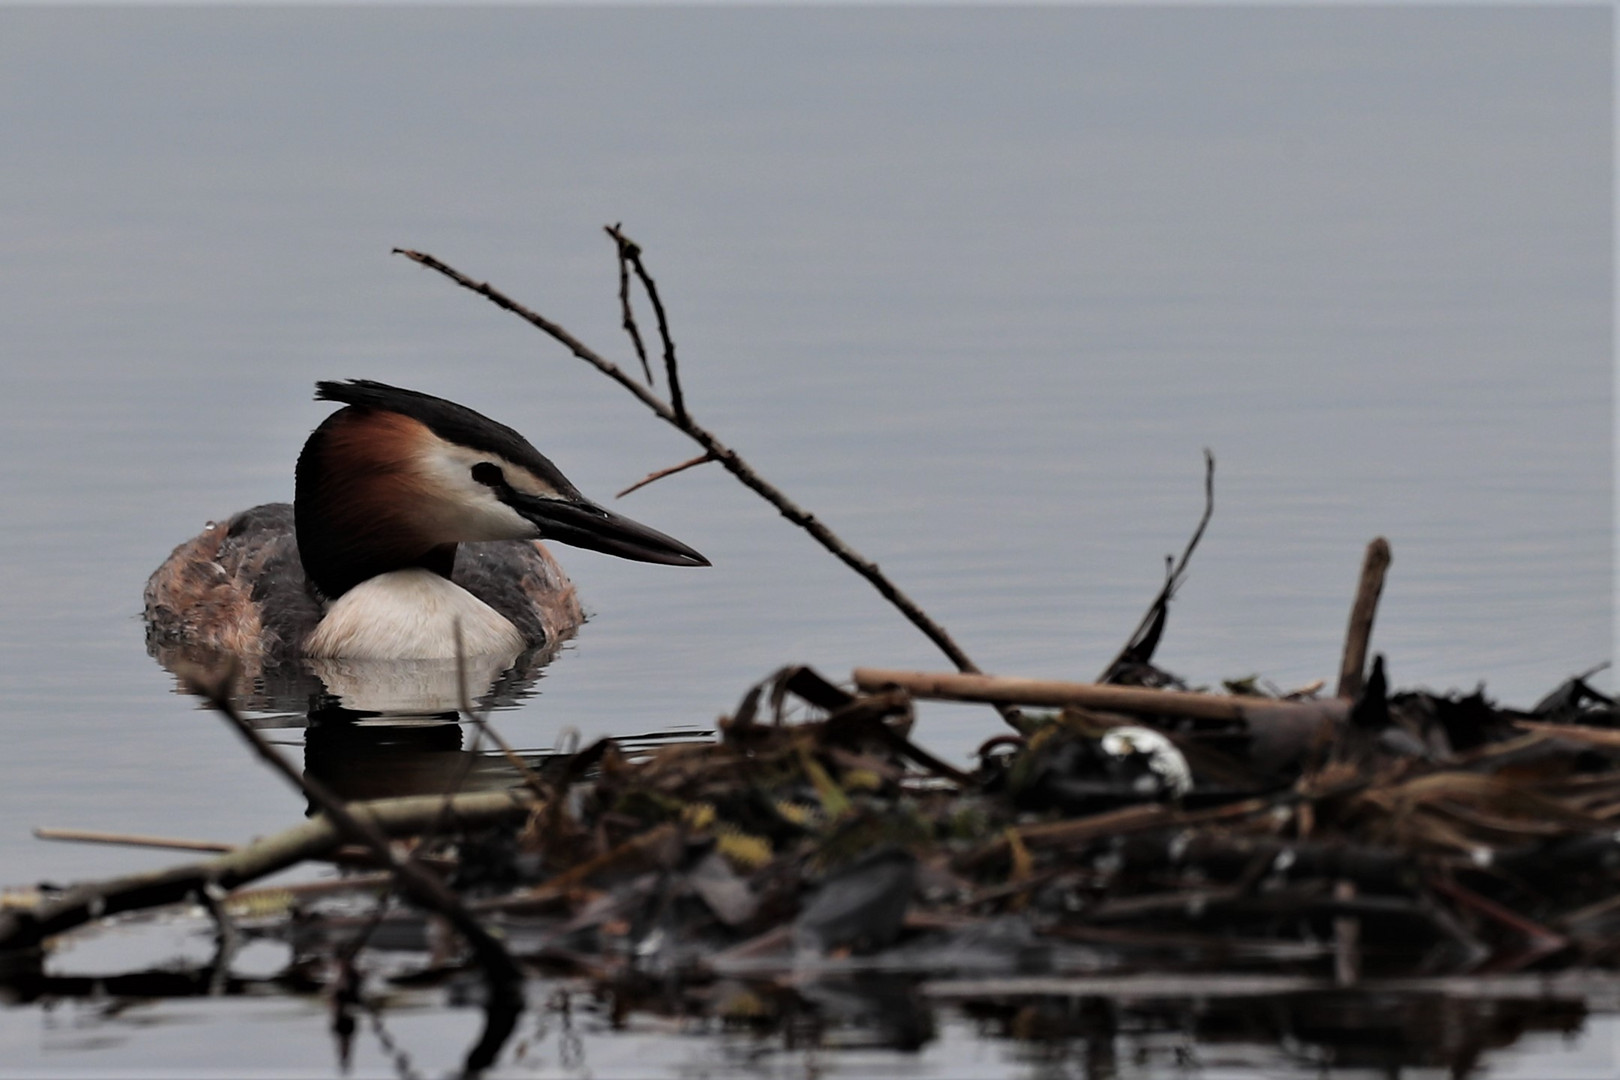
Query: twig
(721,453)
(1353,666)
(1542,941)
(91,836)
(628,314)
(400,1057)
(661,473)
(630,251)
(1145,638)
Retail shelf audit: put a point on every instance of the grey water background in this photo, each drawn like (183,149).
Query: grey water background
(975,286)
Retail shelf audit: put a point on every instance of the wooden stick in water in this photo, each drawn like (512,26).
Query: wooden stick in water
(1055,693)
(91,836)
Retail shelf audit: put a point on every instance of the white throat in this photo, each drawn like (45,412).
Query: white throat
(411,615)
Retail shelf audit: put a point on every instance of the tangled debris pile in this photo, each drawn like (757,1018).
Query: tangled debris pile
(1418,836)
(1398,836)
(1334,844)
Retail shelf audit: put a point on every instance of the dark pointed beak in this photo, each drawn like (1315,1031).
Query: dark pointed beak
(583,524)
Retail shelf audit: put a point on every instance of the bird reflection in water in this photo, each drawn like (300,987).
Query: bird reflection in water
(377,729)
(391,728)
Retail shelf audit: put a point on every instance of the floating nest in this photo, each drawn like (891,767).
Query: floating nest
(812,860)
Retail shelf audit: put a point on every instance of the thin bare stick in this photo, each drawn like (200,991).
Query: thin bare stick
(1146,635)
(1353,666)
(628,314)
(719,452)
(661,473)
(92,836)
(553,330)
(630,251)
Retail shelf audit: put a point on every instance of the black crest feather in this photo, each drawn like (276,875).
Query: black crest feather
(451,422)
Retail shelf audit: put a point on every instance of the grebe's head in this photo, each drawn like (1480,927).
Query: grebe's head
(398,478)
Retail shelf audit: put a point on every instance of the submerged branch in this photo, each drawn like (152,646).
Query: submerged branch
(20,929)
(97,836)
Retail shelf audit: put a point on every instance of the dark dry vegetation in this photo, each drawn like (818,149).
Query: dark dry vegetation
(813,866)
(1113,849)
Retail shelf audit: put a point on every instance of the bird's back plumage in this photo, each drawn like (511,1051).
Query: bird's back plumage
(239,587)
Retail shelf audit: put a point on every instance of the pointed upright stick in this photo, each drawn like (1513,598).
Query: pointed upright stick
(1353,667)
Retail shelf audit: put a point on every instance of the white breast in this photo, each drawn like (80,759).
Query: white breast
(412,615)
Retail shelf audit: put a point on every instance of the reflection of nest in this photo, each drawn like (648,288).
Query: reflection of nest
(299,684)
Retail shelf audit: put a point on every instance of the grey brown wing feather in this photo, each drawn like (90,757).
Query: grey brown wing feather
(521,580)
(236,587)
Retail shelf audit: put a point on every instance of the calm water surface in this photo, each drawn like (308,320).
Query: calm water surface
(976,287)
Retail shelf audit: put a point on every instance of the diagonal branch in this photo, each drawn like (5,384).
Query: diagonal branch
(720,452)
(553,330)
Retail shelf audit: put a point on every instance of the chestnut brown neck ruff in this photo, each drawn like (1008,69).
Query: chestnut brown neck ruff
(386,484)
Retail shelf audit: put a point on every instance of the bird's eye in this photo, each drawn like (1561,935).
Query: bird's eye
(488,474)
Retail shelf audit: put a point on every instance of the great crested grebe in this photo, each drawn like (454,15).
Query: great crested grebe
(412,534)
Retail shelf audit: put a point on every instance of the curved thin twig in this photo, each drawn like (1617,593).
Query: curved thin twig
(1140,645)
(690,463)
